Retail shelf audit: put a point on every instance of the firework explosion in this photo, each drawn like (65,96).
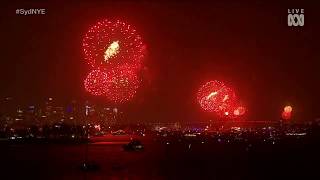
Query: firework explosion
(113,43)
(215,96)
(122,84)
(286,113)
(95,82)
(115,51)
(239,111)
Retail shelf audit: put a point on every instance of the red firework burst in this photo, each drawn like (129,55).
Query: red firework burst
(118,85)
(286,113)
(122,84)
(95,83)
(215,96)
(109,43)
(233,112)
(239,111)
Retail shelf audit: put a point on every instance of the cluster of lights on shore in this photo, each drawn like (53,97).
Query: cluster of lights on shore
(115,53)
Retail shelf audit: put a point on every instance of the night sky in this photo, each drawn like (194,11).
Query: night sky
(248,45)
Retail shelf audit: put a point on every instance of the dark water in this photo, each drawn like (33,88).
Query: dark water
(160,161)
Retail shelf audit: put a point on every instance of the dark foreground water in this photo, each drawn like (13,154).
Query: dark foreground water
(161,161)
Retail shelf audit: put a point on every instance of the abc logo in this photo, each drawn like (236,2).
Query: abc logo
(296,17)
